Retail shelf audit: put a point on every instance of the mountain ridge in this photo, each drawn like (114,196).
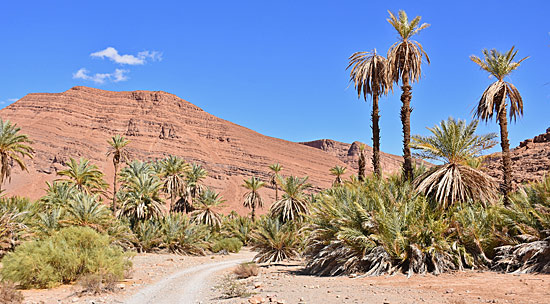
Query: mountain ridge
(78,122)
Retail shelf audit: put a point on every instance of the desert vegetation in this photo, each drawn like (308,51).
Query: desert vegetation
(448,217)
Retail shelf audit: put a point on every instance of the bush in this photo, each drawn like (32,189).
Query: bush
(246,270)
(10,295)
(97,283)
(275,241)
(381,227)
(229,245)
(231,288)
(64,258)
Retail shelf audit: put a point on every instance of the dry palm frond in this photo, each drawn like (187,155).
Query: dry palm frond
(369,73)
(405,56)
(524,258)
(494,97)
(293,205)
(455,143)
(275,241)
(206,214)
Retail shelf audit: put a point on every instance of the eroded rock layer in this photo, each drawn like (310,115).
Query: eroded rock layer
(78,123)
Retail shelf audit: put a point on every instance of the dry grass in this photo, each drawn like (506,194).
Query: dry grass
(9,294)
(246,270)
(96,284)
(230,287)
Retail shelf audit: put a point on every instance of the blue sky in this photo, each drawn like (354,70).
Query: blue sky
(277,67)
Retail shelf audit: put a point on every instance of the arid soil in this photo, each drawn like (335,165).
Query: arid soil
(148,269)
(285,284)
(77,123)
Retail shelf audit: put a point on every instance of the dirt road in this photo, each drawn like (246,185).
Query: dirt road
(187,286)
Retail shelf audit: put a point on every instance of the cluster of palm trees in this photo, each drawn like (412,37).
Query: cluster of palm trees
(374,75)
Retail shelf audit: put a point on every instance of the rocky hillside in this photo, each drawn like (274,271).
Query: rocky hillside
(78,123)
(349,154)
(530,161)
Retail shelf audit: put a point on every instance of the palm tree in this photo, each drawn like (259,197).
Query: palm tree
(369,74)
(13,148)
(120,154)
(293,205)
(84,176)
(404,64)
(493,101)
(172,172)
(275,169)
(454,143)
(252,199)
(140,198)
(193,188)
(86,210)
(275,241)
(205,212)
(361,163)
(337,171)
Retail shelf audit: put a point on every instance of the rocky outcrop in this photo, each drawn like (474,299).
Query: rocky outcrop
(530,160)
(349,154)
(79,121)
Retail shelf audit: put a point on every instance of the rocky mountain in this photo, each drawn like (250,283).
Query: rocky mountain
(78,123)
(349,154)
(530,160)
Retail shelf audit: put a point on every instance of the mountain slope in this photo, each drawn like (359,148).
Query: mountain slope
(79,121)
(530,161)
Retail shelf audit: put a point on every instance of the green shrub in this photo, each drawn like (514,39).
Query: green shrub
(228,244)
(63,258)
(275,241)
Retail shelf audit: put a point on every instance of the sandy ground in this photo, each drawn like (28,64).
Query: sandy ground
(285,284)
(148,269)
(168,273)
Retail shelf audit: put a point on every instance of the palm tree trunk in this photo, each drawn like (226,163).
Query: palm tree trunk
(506,161)
(114,187)
(172,199)
(406,121)
(375,137)
(276,192)
(253,215)
(361,171)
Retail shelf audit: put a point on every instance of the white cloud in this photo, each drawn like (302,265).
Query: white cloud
(141,58)
(117,76)
(13,99)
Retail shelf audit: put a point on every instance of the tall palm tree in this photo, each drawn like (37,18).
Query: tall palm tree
(252,199)
(337,171)
(275,169)
(455,143)
(369,74)
(193,188)
(84,176)
(294,203)
(404,64)
(13,148)
(205,212)
(173,170)
(493,101)
(120,154)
